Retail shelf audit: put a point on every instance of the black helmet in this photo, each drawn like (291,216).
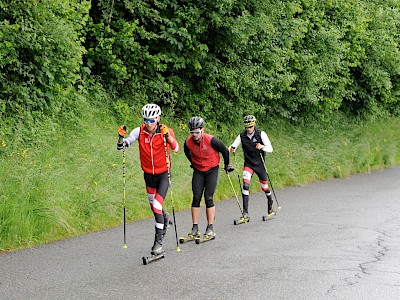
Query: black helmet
(249,120)
(196,122)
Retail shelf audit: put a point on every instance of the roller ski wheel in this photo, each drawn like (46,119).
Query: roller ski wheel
(153,257)
(270,216)
(205,238)
(189,238)
(242,220)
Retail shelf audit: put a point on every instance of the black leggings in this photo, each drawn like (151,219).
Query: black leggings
(204,182)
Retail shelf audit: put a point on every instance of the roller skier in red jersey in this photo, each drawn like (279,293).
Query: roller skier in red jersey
(155,143)
(202,150)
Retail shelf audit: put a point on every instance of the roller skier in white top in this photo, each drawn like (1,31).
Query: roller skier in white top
(255,144)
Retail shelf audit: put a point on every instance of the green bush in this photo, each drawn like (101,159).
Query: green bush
(40,63)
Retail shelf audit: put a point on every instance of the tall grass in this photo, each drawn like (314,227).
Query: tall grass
(73,185)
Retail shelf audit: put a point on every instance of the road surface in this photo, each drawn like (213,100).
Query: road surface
(337,239)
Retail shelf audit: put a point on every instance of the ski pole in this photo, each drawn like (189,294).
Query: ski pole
(124,193)
(240,184)
(172,198)
(270,182)
(236,196)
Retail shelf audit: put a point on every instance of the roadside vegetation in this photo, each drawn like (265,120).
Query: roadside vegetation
(73,185)
(322,78)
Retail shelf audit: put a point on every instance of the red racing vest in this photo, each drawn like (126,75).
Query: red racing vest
(204,157)
(152,151)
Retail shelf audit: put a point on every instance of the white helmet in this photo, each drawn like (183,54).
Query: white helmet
(151,111)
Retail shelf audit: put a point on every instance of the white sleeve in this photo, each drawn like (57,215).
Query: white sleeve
(235,144)
(133,136)
(266,142)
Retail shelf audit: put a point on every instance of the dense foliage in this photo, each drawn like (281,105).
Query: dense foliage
(40,64)
(293,59)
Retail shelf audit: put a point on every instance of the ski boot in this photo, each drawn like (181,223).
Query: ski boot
(157,251)
(157,246)
(209,232)
(270,212)
(192,235)
(243,219)
(166,224)
(208,235)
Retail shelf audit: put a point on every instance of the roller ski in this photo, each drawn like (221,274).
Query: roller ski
(192,235)
(157,251)
(189,238)
(270,214)
(208,236)
(153,257)
(243,219)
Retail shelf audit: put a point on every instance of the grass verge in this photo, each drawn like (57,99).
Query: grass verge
(73,185)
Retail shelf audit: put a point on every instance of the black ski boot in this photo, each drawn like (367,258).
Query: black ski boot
(271,212)
(157,246)
(157,251)
(166,224)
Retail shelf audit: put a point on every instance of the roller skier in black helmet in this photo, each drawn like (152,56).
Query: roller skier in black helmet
(202,150)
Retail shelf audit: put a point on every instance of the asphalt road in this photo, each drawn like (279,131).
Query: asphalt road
(337,239)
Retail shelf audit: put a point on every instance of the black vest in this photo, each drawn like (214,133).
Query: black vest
(251,154)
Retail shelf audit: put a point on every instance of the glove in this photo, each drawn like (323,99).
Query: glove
(259,147)
(229,168)
(231,149)
(121,132)
(164,130)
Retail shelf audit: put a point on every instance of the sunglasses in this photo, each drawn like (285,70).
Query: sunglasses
(195,132)
(249,126)
(149,121)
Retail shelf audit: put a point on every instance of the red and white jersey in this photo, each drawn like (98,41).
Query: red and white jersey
(154,151)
